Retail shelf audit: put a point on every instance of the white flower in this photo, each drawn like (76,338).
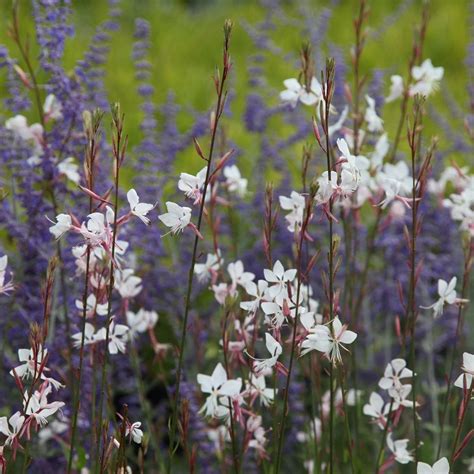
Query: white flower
(127,283)
(374,122)
(238,275)
(217,385)
(33,134)
(394,372)
(439,467)
(311,320)
(52,108)
(296,205)
(117,337)
(376,408)
(329,340)
(205,271)
(270,308)
(279,279)
(447,295)
(295,92)
(69,168)
(89,336)
(275,350)
(468,369)
(5,288)
(222,291)
(63,225)
(92,306)
(396,89)
(348,184)
(258,441)
(335,127)
(139,209)
(358,165)
(39,407)
(257,387)
(141,321)
(462,207)
(234,181)
(399,449)
(97,231)
(427,77)
(177,217)
(258,292)
(457,176)
(31,362)
(395,180)
(191,185)
(12,427)
(380,150)
(133,430)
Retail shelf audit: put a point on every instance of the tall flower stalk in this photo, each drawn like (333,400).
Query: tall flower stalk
(119,148)
(219,82)
(92,124)
(419,176)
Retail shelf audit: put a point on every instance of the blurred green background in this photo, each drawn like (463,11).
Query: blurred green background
(186,46)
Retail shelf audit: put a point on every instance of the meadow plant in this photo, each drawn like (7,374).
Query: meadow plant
(309,313)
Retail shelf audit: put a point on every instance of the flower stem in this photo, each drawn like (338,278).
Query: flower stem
(221,96)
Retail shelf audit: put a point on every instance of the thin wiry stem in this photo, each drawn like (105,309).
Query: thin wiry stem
(92,133)
(221,95)
(119,151)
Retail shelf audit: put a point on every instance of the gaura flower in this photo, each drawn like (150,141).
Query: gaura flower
(191,185)
(234,181)
(399,449)
(275,350)
(139,209)
(295,92)
(374,122)
(63,224)
(468,369)
(447,295)
(217,385)
(329,340)
(177,217)
(439,467)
